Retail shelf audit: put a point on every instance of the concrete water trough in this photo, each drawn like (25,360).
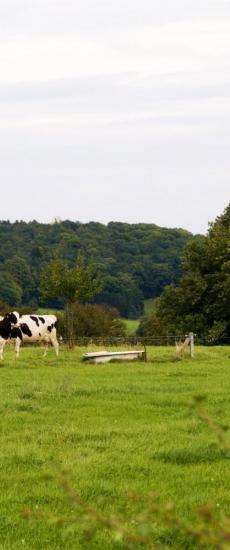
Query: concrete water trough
(106,356)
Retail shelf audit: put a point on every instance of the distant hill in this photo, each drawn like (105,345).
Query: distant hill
(135,261)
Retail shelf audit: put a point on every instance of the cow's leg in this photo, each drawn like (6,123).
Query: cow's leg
(17,346)
(2,344)
(55,344)
(45,349)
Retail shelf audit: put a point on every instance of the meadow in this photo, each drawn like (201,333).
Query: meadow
(114,428)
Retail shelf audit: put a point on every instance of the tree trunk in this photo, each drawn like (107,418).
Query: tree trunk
(69,319)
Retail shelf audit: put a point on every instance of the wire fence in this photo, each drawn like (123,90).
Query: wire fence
(132,340)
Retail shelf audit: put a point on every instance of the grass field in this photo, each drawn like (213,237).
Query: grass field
(131,326)
(115,428)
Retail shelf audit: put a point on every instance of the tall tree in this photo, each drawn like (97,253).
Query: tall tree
(73,284)
(202,300)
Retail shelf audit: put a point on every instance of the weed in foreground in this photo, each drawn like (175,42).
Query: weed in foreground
(206,530)
(149,523)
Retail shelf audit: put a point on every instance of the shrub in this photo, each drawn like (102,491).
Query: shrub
(152,327)
(91,320)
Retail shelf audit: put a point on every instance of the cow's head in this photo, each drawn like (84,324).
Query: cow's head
(12,317)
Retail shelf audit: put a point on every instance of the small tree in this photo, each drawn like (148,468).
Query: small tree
(76,284)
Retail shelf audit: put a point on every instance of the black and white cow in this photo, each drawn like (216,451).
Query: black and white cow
(32,328)
(5,330)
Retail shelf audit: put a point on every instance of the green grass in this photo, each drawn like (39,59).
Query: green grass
(115,428)
(47,311)
(131,326)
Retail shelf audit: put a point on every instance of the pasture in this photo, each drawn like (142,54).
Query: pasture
(115,428)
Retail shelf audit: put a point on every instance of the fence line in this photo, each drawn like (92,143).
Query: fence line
(133,340)
(117,340)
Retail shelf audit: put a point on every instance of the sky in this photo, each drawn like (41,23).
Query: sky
(115,111)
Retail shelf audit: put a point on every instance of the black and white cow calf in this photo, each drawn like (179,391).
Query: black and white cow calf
(33,328)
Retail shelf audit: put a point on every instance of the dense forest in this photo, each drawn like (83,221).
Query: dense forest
(135,262)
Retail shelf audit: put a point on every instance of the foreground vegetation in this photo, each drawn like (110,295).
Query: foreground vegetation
(115,428)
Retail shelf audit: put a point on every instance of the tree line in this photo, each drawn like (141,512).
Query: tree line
(133,261)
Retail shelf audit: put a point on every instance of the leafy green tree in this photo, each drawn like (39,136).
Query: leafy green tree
(73,284)
(4,307)
(122,291)
(77,283)
(21,272)
(10,291)
(201,303)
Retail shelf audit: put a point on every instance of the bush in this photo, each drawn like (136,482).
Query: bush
(152,327)
(4,307)
(91,320)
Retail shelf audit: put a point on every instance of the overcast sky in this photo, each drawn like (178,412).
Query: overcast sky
(115,110)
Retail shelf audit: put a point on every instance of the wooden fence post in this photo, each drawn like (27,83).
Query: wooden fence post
(192,349)
(145,354)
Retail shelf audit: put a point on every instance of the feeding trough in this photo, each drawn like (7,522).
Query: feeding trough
(106,356)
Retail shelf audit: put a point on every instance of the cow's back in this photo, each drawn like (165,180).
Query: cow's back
(37,327)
